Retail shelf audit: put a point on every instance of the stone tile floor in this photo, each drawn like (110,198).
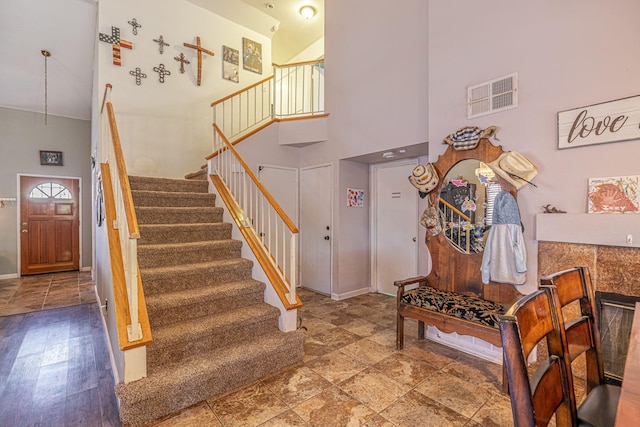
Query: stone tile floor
(352,375)
(44,291)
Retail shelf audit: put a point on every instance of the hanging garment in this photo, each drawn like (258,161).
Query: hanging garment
(504,259)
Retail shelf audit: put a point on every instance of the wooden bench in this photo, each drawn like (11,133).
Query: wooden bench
(452,297)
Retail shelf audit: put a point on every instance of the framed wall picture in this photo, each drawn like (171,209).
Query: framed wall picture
(251,55)
(51,158)
(618,194)
(230,64)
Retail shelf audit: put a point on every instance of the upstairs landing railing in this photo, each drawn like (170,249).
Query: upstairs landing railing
(123,234)
(293,91)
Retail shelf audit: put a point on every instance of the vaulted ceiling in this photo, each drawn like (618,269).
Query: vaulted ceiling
(66,28)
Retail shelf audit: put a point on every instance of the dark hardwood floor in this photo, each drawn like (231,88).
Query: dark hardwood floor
(55,369)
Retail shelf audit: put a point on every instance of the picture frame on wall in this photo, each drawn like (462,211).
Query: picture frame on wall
(251,55)
(50,158)
(230,64)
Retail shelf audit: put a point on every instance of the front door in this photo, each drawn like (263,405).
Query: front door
(49,224)
(315,228)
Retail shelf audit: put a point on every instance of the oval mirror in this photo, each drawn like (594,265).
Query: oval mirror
(466,204)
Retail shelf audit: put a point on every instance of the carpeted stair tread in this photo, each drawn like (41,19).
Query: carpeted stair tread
(179,215)
(204,294)
(180,253)
(201,327)
(192,276)
(168,184)
(173,199)
(204,376)
(177,233)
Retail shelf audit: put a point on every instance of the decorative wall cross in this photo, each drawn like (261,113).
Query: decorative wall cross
(139,75)
(182,60)
(161,43)
(116,44)
(161,72)
(200,49)
(135,25)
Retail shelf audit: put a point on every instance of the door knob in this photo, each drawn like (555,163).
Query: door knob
(326,237)
(25,231)
(414,239)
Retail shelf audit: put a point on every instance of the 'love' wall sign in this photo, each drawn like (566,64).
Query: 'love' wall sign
(600,123)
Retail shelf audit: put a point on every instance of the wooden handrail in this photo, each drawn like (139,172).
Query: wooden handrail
(455,210)
(214,103)
(297,64)
(263,258)
(285,218)
(104,97)
(123,178)
(123,318)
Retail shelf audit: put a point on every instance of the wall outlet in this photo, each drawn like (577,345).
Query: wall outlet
(629,239)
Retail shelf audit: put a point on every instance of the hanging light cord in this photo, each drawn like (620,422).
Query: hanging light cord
(46,55)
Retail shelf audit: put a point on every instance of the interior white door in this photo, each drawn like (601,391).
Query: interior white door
(395,225)
(315,228)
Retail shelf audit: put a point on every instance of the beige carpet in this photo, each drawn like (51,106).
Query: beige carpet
(212,330)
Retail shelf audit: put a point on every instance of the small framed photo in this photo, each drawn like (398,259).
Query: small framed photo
(51,158)
(251,55)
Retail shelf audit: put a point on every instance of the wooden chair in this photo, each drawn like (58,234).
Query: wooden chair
(536,398)
(582,336)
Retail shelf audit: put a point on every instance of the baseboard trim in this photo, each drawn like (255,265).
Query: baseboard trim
(467,344)
(9,276)
(350,294)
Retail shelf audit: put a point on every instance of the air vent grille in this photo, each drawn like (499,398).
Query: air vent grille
(493,96)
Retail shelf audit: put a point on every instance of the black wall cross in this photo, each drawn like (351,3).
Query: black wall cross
(161,72)
(139,75)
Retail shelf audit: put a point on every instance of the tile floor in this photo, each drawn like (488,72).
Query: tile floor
(44,291)
(353,376)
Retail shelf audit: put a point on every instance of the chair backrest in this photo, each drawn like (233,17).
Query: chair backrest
(536,398)
(582,331)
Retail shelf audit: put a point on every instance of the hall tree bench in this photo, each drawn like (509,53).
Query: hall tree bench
(452,297)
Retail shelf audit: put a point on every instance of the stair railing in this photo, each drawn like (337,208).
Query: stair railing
(122,227)
(294,90)
(260,218)
(457,226)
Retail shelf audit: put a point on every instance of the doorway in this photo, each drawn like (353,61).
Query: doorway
(49,224)
(316,228)
(394,225)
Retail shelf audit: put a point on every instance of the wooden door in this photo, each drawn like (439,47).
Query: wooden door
(49,224)
(315,228)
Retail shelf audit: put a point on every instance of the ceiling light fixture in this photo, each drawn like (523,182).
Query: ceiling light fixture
(46,55)
(308,12)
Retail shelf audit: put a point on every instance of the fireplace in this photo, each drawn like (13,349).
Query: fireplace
(615,312)
(614,273)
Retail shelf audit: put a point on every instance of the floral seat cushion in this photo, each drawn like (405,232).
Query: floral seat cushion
(456,305)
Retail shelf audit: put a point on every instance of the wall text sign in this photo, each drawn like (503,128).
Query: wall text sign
(600,123)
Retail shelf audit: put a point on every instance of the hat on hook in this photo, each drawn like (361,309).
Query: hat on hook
(424,178)
(514,168)
(467,138)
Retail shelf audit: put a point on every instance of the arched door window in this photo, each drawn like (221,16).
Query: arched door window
(50,190)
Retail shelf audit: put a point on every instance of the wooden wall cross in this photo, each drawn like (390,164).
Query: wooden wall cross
(116,43)
(200,49)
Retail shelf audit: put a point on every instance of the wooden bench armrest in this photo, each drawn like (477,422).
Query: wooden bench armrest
(406,282)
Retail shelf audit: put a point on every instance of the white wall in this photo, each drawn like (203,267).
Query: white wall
(376,78)
(166,128)
(567,54)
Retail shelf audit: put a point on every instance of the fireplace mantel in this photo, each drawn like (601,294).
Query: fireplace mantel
(590,229)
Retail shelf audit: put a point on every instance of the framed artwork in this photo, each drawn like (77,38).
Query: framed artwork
(355,198)
(51,158)
(617,194)
(230,64)
(251,55)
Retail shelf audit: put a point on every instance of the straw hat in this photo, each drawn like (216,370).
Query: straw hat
(424,178)
(514,168)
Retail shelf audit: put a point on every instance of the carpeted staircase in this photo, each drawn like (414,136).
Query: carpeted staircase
(212,330)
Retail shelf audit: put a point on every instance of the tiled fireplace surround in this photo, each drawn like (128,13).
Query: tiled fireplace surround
(613,264)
